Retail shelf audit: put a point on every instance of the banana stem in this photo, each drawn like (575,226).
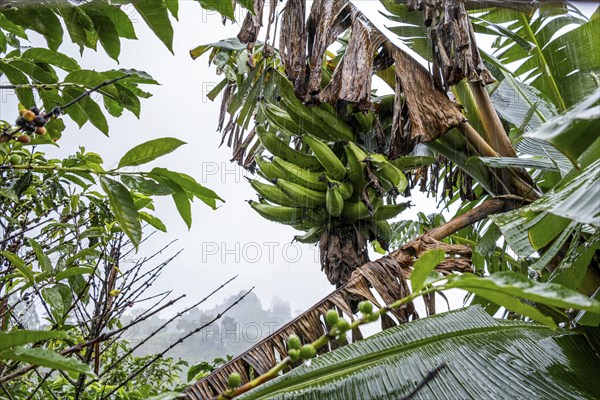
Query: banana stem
(492,126)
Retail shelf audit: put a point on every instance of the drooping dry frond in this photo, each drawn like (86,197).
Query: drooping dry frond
(428,114)
(422,112)
(252,24)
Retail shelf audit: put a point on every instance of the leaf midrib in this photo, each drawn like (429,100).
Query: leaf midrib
(560,103)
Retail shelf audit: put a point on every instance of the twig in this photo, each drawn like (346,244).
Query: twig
(180,340)
(88,92)
(5,390)
(179,314)
(100,338)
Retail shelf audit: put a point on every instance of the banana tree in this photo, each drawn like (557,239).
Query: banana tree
(515,147)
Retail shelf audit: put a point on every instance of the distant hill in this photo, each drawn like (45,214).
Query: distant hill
(242,327)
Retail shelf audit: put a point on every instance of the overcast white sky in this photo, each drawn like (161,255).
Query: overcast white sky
(233,239)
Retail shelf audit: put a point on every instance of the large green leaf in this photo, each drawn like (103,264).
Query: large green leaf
(227,44)
(156,15)
(424,266)
(149,151)
(21,337)
(575,199)
(148,187)
(46,358)
(189,184)
(507,288)
(571,271)
(19,264)
(51,57)
(544,150)
(520,104)
(153,221)
(16,77)
(223,7)
(514,162)
(574,131)
(123,207)
(107,33)
(43,259)
(484,358)
(560,63)
(182,203)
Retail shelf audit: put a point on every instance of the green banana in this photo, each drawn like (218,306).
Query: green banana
(389,176)
(345,188)
(300,195)
(312,236)
(383,231)
(267,169)
(359,153)
(328,115)
(355,210)
(281,119)
(317,216)
(365,121)
(388,211)
(334,202)
(271,193)
(326,157)
(279,148)
(394,176)
(281,214)
(412,162)
(319,122)
(354,161)
(306,122)
(301,176)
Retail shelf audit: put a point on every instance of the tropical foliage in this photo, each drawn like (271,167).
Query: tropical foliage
(69,227)
(342,126)
(506,137)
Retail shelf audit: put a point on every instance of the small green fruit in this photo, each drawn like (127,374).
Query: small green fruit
(234,380)
(342,325)
(308,351)
(365,307)
(294,354)
(332,317)
(294,342)
(15,159)
(372,317)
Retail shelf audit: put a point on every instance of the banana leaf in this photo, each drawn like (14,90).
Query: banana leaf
(466,354)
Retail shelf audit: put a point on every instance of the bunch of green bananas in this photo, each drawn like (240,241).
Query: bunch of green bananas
(327,179)
(325,183)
